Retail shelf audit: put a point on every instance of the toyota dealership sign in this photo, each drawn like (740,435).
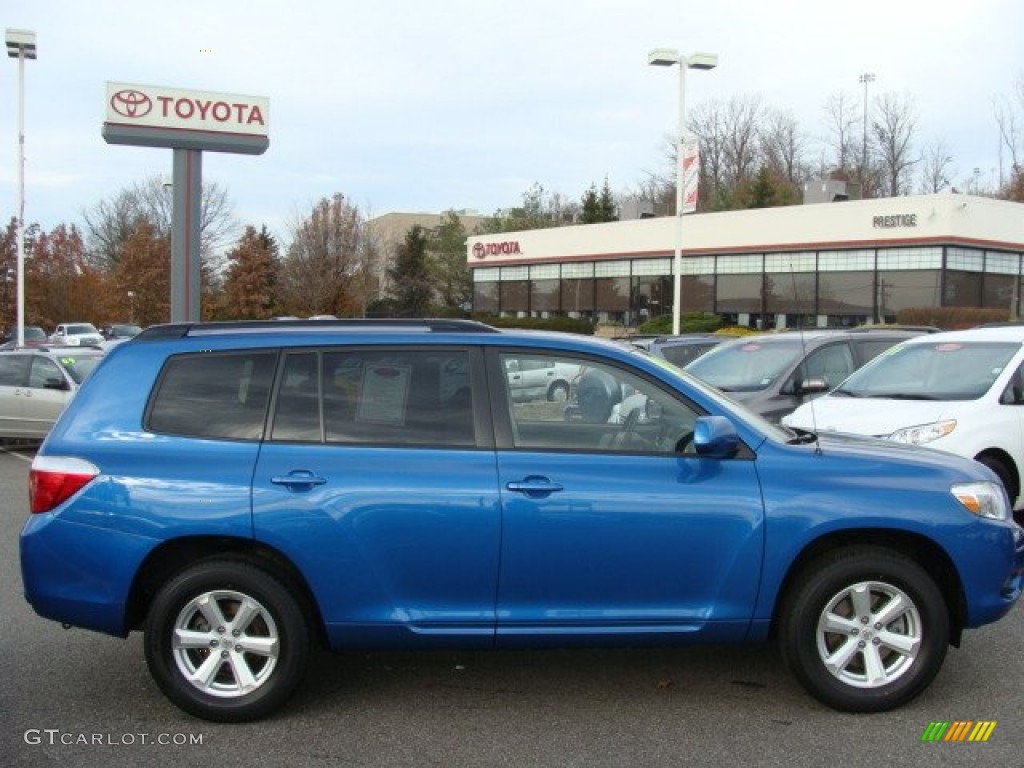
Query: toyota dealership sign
(174,117)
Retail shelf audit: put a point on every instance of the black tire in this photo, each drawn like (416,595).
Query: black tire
(919,623)
(1004,475)
(273,623)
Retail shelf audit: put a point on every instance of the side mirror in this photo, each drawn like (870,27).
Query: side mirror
(812,386)
(55,383)
(715,437)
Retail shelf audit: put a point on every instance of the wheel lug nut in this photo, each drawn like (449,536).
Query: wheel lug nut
(213,643)
(854,631)
(878,625)
(223,654)
(222,630)
(876,641)
(861,644)
(236,633)
(863,619)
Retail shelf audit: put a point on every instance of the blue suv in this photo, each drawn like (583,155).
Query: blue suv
(243,491)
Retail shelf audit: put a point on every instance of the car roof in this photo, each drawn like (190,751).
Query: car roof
(1014,333)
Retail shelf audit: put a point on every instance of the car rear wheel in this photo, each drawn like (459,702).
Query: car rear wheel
(864,629)
(226,641)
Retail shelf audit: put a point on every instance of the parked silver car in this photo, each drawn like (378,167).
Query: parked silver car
(35,385)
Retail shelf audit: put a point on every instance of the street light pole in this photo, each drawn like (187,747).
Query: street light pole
(21,45)
(867,77)
(666,57)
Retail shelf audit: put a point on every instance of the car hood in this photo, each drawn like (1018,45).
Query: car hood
(869,416)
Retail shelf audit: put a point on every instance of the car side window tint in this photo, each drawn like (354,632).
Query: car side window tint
(43,370)
(13,369)
(213,395)
(378,397)
(608,409)
(833,362)
(297,409)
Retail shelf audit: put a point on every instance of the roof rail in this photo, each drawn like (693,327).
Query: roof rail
(442,325)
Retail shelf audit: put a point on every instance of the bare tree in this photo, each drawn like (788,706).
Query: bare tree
(893,130)
(841,119)
(783,146)
(109,223)
(327,267)
(936,168)
(1010,119)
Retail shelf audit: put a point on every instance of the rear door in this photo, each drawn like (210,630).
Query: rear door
(13,380)
(609,530)
(49,390)
(377,479)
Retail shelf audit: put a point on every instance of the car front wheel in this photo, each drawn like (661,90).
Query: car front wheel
(864,629)
(226,641)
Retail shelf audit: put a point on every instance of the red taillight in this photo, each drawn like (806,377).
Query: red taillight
(54,479)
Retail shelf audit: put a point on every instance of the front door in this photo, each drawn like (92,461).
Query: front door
(611,527)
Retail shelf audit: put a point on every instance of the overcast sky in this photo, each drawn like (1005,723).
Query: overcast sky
(427,105)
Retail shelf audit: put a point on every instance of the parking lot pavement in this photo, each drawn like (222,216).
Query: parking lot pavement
(84,699)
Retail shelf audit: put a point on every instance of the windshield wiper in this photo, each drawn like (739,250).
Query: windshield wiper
(845,393)
(903,396)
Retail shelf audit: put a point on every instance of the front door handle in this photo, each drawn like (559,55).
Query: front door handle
(534,486)
(298,479)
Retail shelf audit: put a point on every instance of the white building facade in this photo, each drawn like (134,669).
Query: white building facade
(840,263)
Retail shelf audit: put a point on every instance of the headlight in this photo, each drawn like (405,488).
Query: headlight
(923,433)
(983,499)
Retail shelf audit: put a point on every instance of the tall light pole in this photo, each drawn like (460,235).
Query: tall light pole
(667,57)
(867,77)
(21,45)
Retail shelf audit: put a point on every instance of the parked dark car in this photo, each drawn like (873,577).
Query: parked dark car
(34,337)
(120,331)
(241,491)
(773,373)
(682,349)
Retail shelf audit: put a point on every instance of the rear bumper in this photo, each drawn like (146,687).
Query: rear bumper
(79,574)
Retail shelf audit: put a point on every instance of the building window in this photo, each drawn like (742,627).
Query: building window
(514,295)
(544,295)
(485,297)
(739,294)
(847,295)
(578,295)
(698,294)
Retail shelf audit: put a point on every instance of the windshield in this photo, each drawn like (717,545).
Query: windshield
(962,370)
(79,366)
(746,366)
(82,328)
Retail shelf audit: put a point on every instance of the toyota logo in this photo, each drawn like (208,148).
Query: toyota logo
(479,250)
(131,103)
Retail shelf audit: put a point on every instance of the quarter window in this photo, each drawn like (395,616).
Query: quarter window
(213,395)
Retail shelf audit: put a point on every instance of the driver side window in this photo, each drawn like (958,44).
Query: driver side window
(604,408)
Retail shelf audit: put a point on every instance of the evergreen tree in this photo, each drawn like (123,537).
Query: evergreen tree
(452,277)
(250,287)
(412,285)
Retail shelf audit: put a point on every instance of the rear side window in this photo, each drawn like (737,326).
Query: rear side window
(213,395)
(13,370)
(376,397)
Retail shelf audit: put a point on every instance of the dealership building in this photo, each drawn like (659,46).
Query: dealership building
(830,263)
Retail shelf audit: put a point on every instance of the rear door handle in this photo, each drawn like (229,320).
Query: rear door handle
(298,478)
